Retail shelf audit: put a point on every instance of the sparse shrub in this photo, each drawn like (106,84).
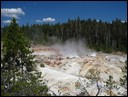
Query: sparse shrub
(41,65)
(110,85)
(123,79)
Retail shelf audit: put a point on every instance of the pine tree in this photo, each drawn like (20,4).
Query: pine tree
(15,80)
(110,85)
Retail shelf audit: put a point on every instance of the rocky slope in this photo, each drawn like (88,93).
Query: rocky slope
(70,74)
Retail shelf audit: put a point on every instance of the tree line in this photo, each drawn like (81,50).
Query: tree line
(99,35)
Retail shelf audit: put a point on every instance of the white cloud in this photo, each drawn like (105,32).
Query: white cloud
(8,21)
(12,12)
(123,21)
(49,19)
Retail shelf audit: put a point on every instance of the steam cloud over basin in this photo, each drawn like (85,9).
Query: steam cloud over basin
(73,48)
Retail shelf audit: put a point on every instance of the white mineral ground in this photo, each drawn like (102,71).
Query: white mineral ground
(64,67)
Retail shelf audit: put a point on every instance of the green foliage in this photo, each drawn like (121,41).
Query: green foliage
(27,84)
(16,57)
(100,36)
(41,65)
(16,48)
(123,79)
(110,84)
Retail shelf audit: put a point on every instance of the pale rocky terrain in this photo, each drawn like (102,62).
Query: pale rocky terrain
(69,72)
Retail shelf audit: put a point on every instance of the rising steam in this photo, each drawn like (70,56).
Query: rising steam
(73,48)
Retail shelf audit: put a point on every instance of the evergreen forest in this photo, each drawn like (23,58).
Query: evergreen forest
(100,36)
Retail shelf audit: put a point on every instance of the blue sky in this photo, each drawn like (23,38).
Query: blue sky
(38,12)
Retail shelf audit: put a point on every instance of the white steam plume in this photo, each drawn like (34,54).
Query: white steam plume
(72,48)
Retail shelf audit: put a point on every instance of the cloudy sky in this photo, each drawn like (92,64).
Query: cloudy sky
(39,12)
